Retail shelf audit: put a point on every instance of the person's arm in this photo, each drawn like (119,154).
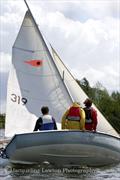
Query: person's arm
(38,124)
(64,119)
(82,119)
(94,117)
(55,126)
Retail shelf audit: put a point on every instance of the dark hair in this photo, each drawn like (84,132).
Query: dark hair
(88,102)
(44,110)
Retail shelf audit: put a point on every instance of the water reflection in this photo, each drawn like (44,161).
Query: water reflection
(46,172)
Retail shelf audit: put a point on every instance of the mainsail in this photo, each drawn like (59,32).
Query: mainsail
(34,81)
(37,79)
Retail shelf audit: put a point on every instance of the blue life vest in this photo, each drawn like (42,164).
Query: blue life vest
(47,126)
(47,123)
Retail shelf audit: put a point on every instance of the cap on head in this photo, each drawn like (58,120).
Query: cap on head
(88,102)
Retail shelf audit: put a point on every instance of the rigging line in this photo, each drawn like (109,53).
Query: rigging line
(61,82)
(56,86)
(64,81)
(54,52)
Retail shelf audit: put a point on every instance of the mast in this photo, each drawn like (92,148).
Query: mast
(27,5)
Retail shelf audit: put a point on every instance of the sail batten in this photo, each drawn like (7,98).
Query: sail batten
(24,49)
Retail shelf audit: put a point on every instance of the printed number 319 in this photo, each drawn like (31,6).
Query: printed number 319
(18,99)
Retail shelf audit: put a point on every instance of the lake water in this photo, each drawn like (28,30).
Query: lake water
(43,172)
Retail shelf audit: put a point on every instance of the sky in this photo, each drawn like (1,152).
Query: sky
(85,34)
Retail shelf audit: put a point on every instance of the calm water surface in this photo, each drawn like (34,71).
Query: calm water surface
(46,171)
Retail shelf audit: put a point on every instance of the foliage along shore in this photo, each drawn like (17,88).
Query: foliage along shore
(2,121)
(109,105)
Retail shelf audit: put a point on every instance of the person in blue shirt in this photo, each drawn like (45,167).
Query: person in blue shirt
(46,121)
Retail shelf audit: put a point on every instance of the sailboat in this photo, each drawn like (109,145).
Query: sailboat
(39,77)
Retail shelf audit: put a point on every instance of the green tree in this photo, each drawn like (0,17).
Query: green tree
(109,105)
(2,121)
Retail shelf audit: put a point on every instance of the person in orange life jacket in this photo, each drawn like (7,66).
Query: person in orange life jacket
(91,116)
(46,121)
(74,118)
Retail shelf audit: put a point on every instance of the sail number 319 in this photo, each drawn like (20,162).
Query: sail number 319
(18,99)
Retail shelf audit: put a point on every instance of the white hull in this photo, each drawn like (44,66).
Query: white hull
(64,148)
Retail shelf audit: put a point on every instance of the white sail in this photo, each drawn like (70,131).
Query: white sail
(34,81)
(78,94)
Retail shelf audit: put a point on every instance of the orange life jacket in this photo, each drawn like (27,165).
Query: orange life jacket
(74,114)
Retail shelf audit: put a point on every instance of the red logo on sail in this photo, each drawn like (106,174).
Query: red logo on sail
(35,63)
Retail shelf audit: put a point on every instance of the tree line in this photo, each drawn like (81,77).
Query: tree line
(108,104)
(2,121)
